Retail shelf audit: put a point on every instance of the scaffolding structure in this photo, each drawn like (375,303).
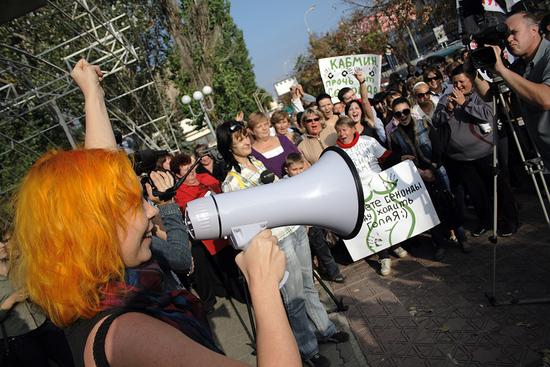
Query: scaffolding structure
(37,82)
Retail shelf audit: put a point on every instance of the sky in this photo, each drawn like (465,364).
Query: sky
(275,32)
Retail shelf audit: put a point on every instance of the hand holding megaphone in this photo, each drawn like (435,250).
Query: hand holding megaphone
(263,263)
(328,195)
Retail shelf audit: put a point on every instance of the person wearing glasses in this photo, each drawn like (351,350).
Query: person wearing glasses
(433,77)
(318,136)
(300,296)
(425,102)
(416,139)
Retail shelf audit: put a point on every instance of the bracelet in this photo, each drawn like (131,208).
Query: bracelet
(363,82)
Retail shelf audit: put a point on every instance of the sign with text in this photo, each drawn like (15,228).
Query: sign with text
(283,86)
(397,207)
(440,34)
(337,73)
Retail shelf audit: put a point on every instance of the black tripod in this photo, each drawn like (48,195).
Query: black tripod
(534,167)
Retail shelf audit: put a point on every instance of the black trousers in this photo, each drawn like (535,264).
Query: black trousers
(477,179)
(320,248)
(34,348)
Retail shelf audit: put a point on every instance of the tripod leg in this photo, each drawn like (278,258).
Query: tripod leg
(249,309)
(338,302)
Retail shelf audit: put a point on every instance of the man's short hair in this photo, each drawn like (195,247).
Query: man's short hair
(321,97)
(344,120)
(342,92)
(529,17)
(178,161)
(293,158)
(399,101)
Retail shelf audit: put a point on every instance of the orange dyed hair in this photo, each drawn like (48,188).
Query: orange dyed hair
(69,212)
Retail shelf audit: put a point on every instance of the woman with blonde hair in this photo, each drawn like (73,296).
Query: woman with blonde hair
(83,230)
(318,136)
(270,150)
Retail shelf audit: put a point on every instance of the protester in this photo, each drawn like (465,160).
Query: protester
(325,105)
(299,294)
(468,120)
(294,165)
(425,102)
(367,155)
(417,140)
(92,271)
(318,136)
(281,123)
(215,273)
(363,125)
(434,78)
(270,150)
(208,163)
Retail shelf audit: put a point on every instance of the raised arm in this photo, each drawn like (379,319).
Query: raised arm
(369,115)
(99,133)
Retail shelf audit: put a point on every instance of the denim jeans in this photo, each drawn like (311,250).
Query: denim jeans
(300,297)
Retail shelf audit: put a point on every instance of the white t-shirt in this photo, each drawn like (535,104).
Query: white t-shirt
(365,154)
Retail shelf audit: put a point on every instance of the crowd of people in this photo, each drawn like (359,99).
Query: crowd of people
(108,259)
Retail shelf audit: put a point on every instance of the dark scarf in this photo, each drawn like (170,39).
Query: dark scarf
(143,291)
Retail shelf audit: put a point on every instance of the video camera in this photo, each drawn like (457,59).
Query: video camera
(484,57)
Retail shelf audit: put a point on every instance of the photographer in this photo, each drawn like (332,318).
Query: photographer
(529,77)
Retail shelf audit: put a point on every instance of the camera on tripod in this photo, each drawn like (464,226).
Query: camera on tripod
(484,57)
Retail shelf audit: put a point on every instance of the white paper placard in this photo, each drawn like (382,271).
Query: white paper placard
(337,73)
(397,207)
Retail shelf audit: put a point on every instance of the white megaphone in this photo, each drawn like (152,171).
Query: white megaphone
(328,195)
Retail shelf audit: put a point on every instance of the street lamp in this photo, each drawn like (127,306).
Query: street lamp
(309,10)
(206,104)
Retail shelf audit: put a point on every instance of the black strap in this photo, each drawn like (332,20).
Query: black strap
(100,358)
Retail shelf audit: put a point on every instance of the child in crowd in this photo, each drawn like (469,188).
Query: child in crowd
(294,165)
(368,156)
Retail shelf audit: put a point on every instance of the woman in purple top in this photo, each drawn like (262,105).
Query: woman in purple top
(270,150)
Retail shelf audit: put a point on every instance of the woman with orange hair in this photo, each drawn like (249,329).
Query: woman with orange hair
(83,230)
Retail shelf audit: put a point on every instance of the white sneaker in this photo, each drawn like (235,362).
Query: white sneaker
(400,252)
(385,267)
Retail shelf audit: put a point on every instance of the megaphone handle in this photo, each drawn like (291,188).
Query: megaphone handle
(242,235)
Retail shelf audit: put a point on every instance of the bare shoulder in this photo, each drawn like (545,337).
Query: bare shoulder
(136,339)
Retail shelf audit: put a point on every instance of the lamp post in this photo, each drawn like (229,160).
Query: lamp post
(206,104)
(309,10)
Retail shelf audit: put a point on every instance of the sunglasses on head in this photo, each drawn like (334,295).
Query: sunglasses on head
(405,112)
(236,126)
(313,119)
(429,79)
(420,95)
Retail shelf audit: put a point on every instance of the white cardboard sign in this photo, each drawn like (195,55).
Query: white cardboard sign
(397,207)
(337,73)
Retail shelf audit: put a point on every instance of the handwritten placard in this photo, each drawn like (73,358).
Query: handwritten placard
(337,73)
(397,207)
